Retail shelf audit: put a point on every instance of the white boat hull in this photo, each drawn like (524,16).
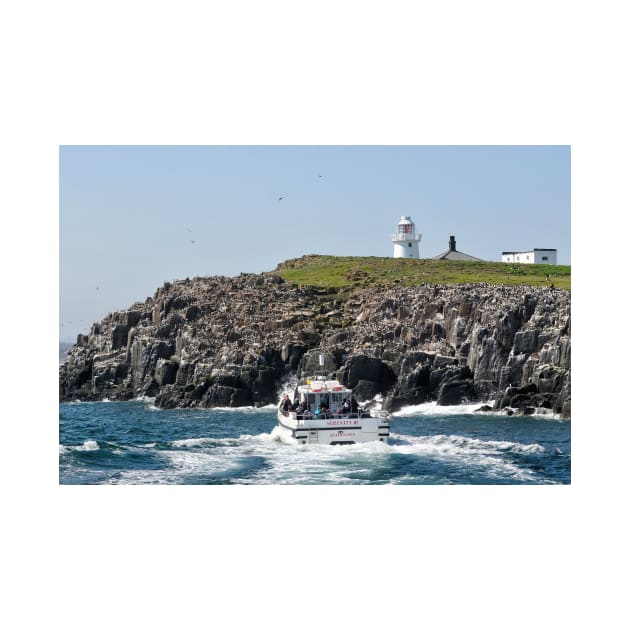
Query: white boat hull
(335,429)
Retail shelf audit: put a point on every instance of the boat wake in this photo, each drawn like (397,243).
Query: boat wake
(223,447)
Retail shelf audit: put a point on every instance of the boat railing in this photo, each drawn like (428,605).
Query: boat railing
(362,413)
(301,417)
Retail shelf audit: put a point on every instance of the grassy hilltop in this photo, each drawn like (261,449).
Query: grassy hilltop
(348,272)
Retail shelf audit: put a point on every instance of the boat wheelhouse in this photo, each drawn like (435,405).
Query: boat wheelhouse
(323,411)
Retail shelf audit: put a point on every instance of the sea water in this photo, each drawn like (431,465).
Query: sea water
(136,443)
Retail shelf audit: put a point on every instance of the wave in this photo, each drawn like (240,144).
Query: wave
(247,409)
(466,442)
(356,463)
(196,466)
(475,444)
(242,410)
(280,434)
(547,414)
(473,452)
(433,409)
(277,458)
(203,441)
(88,445)
(191,442)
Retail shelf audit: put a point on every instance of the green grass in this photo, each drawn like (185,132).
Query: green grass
(349,272)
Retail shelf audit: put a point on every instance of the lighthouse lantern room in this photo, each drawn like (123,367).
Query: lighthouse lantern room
(405,239)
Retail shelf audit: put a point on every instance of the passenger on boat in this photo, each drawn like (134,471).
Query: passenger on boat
(322,410)
(345,407)
(285,405)
(302,407)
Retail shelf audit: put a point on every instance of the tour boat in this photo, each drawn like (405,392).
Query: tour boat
(323,411)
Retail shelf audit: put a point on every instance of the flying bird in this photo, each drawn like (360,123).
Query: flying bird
(280,198)
(192,242)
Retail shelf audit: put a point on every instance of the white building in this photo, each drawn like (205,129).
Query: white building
(406,240)
(535,256)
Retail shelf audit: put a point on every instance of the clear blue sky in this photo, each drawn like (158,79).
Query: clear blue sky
(128,214)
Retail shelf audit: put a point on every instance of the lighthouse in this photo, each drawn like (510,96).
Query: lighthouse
(405,239)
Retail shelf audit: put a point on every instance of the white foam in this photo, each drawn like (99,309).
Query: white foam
(547,414)
(319,463)
(88,445)
(184,463)
(203,441)
(433,409)
(190,442)
(374,403)
(460,441)
(289,462)
(280,434)
(247,409)
(471,452)
(540,413)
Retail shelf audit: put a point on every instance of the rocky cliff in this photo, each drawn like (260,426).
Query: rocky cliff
(220,341)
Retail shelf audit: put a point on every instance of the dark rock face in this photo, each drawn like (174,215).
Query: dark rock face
(456,390)
(119,336)
(232,341)
(363,368)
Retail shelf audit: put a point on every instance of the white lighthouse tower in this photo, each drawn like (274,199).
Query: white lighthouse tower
(405,239)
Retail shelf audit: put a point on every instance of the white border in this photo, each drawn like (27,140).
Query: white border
(286,72)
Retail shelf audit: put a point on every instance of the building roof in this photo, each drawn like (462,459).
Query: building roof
(455,255)
(452,254)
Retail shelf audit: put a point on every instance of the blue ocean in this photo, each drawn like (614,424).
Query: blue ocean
(137,443)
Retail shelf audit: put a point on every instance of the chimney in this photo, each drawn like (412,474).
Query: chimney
(451,244)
